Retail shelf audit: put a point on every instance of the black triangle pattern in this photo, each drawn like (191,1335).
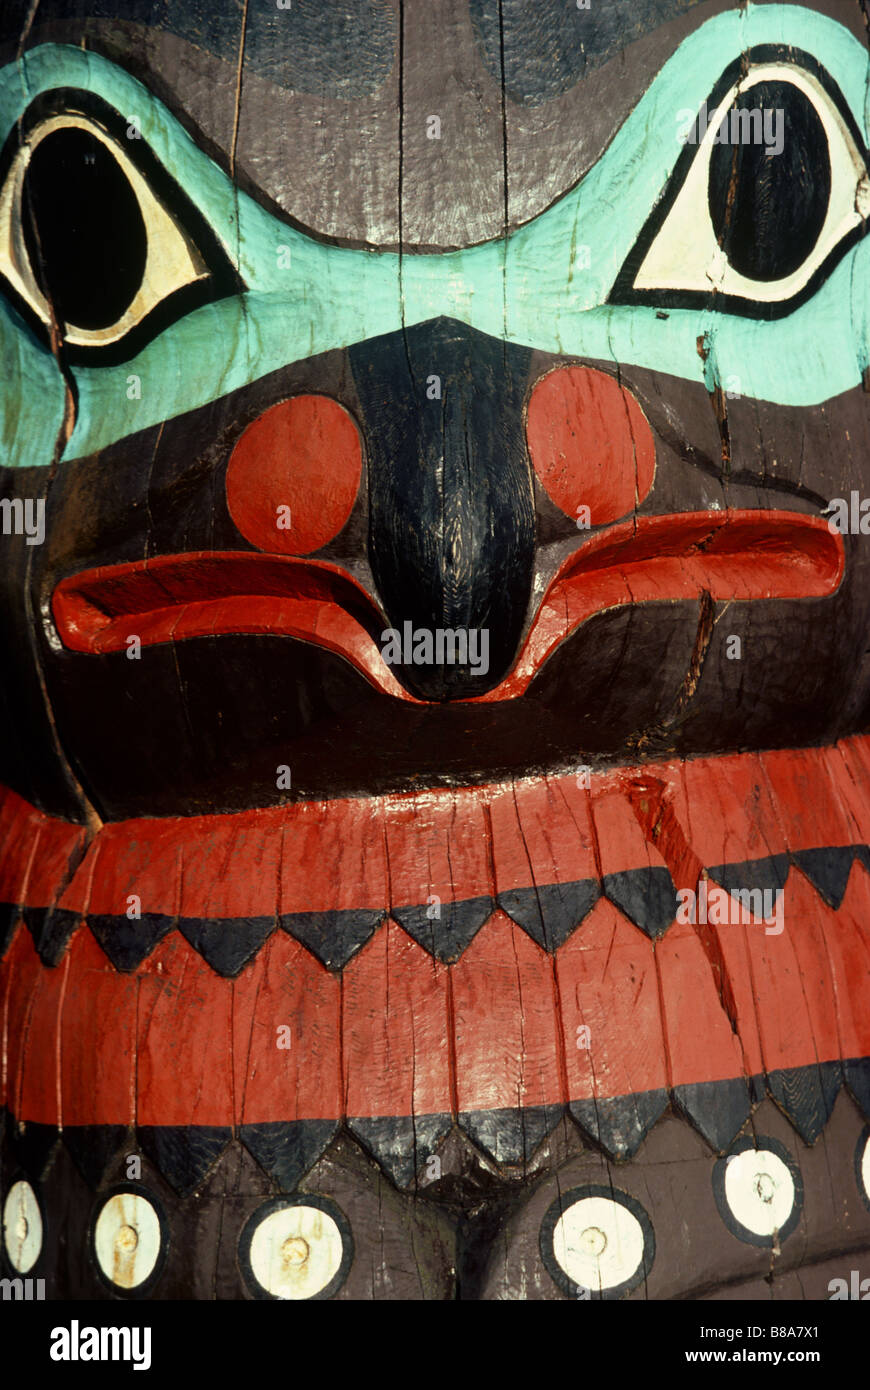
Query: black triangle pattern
(856,1074)
(287,1151)
(333,937)
(128,942)
(550,912)
(401,1145)
(828,870)
(510,1136)
(9,915)
(620,1124)
(447,935)
(646,896)
(184,1153)
(33,1146)
(93,1147)
(226,944)
(807,1095)
(717,1109)
(770,873)
(51,929)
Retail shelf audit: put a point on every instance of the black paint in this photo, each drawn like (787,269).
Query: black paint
(127,942)
(717,1109)
(828,870)
(94,1147)
(85,234)
(647,897)
(807,1095)
(856,1073)
(51,929)
(550,912)
(510,1136)
(451,506)
(767,209)
(540,50)
(402,1145)
(33,1146)
(769,874)
(227,944)
(184,1153)
(620,1124)
(445,937)
(333,937)
(286,1151)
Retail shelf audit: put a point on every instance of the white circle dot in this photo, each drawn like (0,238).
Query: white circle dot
(598,1243)
(127,1239)
(296,1251)
(22,1227)
(759,1190)
(865,1168)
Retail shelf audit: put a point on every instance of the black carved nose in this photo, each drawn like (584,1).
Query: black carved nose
(451,523)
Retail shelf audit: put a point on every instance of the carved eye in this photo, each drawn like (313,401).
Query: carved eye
(770,192)
(89,243)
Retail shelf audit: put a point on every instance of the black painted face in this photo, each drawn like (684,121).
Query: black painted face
(609,637)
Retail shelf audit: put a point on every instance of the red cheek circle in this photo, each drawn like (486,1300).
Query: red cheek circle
(590,443)
(303,454)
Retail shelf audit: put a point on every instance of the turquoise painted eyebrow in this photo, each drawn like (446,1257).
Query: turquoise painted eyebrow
(533,286)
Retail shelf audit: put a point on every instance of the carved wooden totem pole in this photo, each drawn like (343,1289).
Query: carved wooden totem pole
(435,820)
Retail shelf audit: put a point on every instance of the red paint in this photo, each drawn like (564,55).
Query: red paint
(438,844)
(699,1038)
(184,1073)
(542,833)
(201,594)
(730,555)
(304,454)
(607,983)
(590,443)
(98,1081)
(698,1005)
(285,986)
(508,1043)
(395,1026)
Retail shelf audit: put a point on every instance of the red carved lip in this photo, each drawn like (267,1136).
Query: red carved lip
(732,555)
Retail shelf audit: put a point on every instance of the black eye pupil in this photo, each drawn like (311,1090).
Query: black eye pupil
(83,229)
(768,208)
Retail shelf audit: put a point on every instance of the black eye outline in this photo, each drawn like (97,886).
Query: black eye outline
(221,279)
(624,291)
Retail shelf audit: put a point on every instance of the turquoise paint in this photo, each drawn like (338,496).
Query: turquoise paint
(528,286)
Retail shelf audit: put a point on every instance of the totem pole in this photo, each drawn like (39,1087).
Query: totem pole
(435,499)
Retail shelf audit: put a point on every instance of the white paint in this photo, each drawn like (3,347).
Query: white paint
(598,1243)
(865,1168)
(685,254)
(170,262)
(22,1227)
(296,1252)
(759,1190)
(127,1239)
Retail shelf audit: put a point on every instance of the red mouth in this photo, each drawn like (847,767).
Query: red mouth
(731,555)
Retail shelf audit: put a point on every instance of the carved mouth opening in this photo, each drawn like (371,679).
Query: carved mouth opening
(741,555)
